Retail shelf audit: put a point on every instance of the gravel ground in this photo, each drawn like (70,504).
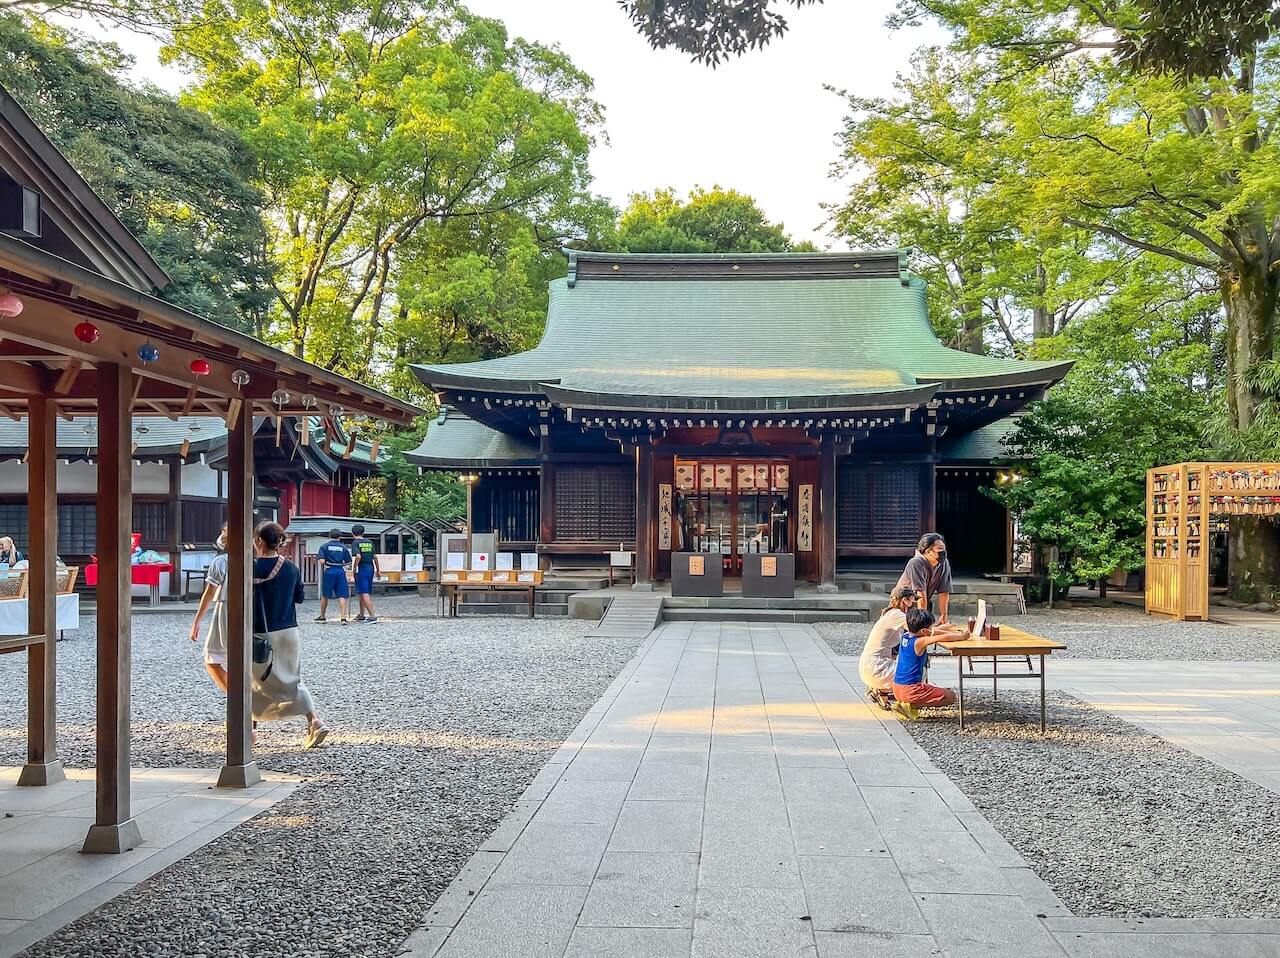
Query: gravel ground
(1117,821)
(1112,633)
(438,727)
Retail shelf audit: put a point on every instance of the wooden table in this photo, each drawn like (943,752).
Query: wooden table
(1014,644)
(450,592)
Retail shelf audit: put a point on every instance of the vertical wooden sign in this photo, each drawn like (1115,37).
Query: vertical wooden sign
(664,516)
(804,529)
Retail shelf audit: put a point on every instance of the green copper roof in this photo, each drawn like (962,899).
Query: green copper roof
(980,446)
(462,443)
(748,338)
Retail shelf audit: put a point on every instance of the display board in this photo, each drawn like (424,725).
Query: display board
(1182,500)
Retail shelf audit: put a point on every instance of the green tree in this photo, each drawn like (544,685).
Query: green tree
(178,181)
(709,221)
(377,128)
(710,31)
(1138,397)
(1172,164)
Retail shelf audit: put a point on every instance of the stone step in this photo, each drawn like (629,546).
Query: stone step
(519,609)
(723,614)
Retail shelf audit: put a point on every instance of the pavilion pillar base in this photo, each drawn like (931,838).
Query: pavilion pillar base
(42,773)
(642,587)
(112,839)
(239,776)
(828,588)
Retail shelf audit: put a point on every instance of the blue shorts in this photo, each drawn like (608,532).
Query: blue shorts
(364,579)
(334,583)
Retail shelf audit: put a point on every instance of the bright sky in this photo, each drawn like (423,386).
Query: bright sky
(762,124)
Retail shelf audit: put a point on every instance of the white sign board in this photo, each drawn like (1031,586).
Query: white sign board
(480,561)
(528,562)
(455,561)
(506,561)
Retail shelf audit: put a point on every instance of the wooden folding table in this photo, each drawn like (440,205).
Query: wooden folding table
(1013,644)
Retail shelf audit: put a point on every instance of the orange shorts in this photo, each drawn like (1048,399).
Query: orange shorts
(920,694)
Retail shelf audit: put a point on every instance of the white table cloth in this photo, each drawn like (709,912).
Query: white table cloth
(13,614)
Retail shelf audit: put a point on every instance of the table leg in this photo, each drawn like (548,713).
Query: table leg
(531,601)
(994,669)
(961,696)
(1043,659)
(154,593)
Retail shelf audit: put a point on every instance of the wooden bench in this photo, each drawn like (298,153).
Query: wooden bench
(451,591)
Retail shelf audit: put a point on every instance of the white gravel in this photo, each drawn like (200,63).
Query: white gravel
(438,725)
(1112,633)
(1119,822)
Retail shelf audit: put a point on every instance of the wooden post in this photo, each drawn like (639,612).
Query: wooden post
(175,527)
(114,829)
(546,494)
(240,771)
(644,516)
(43,766)
(827,515)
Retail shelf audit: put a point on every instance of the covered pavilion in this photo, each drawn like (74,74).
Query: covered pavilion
(82,333)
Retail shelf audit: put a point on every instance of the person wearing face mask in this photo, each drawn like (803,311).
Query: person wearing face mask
(929,573)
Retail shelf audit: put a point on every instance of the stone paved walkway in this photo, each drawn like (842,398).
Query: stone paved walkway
(733,796)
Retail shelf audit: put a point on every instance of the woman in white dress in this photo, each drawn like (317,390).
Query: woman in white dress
(215,642)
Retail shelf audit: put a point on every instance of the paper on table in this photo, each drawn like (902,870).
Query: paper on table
(982,618)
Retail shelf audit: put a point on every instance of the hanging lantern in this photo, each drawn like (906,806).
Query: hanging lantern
(142,429)
(240,377)
(200,367)
(10,305)
(280,397)
(148,352)
(86,332)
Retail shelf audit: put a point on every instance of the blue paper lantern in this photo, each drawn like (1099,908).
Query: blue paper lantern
(148,352)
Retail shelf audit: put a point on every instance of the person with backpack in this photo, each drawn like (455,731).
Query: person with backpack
(334,559)
(364,568)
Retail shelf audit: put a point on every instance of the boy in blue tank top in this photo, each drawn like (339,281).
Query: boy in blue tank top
(910,690)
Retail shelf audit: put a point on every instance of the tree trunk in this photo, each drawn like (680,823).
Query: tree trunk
(1253,553)
(1042,325)
(391,504)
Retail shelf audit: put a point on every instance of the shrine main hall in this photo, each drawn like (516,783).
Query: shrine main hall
(735,403)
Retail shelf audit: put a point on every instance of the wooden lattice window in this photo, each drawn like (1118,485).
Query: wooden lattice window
(595,503)
(879,504)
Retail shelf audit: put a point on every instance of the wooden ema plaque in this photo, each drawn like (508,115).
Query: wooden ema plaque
(697,565)
(768,566)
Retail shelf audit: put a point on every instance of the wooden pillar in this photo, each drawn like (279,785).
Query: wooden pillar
(644,516)
(43,766)
(114,829)
(929,491)
(175,527)
(546,492)
(240,771)
(827,515)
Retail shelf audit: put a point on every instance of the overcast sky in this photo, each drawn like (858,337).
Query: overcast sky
(762,124)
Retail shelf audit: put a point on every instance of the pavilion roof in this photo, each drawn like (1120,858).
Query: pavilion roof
(454,441)
(728,331)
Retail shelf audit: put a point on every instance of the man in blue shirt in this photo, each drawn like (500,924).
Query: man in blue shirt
(334,559)
(363,568)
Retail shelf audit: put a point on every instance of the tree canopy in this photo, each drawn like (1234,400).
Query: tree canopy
(710,31)
(420,169)
(179,181)
(708,221)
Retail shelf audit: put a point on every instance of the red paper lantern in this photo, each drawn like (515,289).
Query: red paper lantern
(10,305)
(86,332)
(200,367)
